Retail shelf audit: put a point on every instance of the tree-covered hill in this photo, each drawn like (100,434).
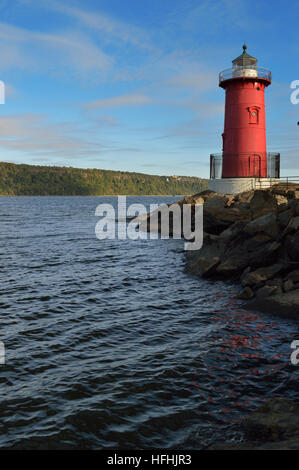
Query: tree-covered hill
(31,180)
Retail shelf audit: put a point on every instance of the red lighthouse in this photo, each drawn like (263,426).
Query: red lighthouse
(244,163)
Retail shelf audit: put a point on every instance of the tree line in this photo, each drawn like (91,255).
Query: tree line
(33,180)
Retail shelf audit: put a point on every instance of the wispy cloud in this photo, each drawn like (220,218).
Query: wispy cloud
(206,17)
(71,49)
(59,143)
(201,81)
(119,101)
(112,28)
(35,135)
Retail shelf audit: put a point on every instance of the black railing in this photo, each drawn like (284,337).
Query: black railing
(246,71)
(216,166)
(289,180)
(273,163)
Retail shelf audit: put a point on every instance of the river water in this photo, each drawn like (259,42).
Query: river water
(109,344)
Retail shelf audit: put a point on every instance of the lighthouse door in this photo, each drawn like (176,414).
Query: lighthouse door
(255,166)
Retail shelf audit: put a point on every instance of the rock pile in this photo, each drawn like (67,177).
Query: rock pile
(252,237)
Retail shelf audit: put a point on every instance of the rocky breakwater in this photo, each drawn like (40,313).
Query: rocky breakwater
(253,238)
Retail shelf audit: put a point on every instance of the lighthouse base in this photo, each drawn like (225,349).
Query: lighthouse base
(240,185)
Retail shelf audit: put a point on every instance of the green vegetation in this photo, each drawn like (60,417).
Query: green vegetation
(29,180)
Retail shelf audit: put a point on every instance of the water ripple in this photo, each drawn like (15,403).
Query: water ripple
(109,344)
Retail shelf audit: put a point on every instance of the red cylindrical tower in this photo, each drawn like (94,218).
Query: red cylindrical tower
(244,137)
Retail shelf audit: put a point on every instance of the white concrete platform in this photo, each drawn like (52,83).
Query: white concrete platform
(240,185)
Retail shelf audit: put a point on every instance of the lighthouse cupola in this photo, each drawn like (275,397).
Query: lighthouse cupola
(244,161)
(244,65)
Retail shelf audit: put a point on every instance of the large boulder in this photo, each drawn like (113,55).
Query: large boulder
(262,202)
(288,285)
(232,231)
(204,266)
(246,294)
(266,224)
(284,218)
(281,199)
(223,209)
(204,261)
(286,303)
(268,290)
(251,278)
(294,205)
(277,419)
(293,194)
(293,275)
(248,253)
(243,198)
(213,224)
(292,226)
(272,426)
(292,246)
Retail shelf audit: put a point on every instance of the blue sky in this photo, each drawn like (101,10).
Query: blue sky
(133,85)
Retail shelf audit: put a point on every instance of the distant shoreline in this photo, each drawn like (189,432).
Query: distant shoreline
(32,180)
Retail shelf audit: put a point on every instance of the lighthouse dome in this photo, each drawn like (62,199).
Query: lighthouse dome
(244,65)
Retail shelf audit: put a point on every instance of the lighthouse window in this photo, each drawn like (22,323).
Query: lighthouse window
(253,115)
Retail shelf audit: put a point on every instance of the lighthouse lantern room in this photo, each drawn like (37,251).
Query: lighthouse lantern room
(244,163)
